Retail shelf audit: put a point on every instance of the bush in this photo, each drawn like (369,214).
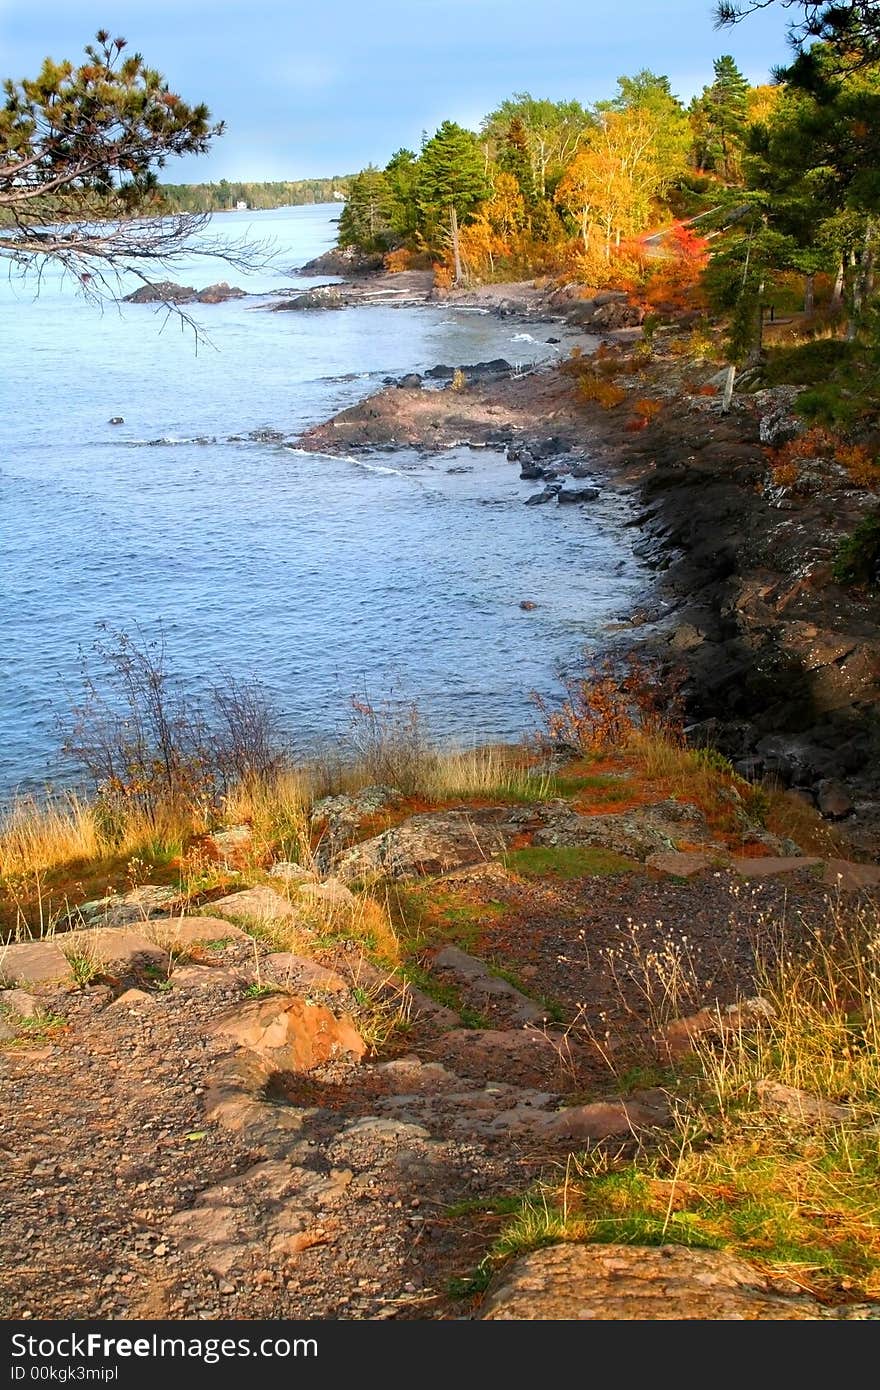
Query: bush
(146,743)
(857,562)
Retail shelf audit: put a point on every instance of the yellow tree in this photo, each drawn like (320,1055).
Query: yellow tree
(611,185)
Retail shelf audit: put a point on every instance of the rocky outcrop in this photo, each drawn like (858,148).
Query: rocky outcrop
(167,292)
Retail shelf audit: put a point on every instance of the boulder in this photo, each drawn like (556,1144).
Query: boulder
(257,905)
(430,843)
(777,423)
(219,293)
(229,845)
(834,801)
(576,495)
(163,292)
(292,1034)
(640,1284)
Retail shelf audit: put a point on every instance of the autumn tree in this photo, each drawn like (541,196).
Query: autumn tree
(553,132)
(613,181)
(652,96)
(451,184)
(80,147)
(514,158)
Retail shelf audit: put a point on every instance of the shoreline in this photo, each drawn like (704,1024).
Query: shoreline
(781,664)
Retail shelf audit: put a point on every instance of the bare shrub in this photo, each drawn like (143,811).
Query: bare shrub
(147,743)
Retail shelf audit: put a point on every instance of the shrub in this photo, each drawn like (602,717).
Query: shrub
(857,562)
(605,706)
(146,743)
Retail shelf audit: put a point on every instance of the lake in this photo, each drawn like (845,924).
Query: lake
(392,575)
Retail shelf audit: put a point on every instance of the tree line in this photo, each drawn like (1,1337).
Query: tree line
(225,194)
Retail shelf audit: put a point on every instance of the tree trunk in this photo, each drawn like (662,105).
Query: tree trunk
(839,279)
(456,250)
(809,294)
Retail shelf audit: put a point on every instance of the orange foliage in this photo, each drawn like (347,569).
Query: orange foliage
(443,276)
(396,261)
(861,465)
(604,393)
(648,407)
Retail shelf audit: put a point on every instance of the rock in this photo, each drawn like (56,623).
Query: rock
(173,932)
(411,382)
(851,878)
(230,845)
(332,893)
(477,976)
(677,1037)
(538,499)
(304,973)
(342,815)
(678,863)
(686,638)
(116,420)
(603,1119)
(257,905)
(33,963)
(531,473)
(833,800)
(770,866)
(573,496)
(131,999)
(163,292)
(527,605)
(800,1105)
(219,293)
(640,1284)
(431,843)
(123,909)
(777,422)
(289,872)
(19,1002)
(111,945)
(292,1033)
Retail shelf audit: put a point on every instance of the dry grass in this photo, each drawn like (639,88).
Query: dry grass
(795,1195)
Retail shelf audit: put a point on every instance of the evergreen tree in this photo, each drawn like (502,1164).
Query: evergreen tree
(514,158)
(451,184)
(401,177)
(720,116)
(365,218)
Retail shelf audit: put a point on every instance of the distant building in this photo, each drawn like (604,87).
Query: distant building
(241,206)
(338,196)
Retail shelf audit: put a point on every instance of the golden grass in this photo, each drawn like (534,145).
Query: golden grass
(795,1195)
(35,837)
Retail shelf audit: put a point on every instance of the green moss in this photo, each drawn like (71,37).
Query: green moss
(568,861)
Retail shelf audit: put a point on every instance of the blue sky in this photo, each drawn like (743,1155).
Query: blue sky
(318,89)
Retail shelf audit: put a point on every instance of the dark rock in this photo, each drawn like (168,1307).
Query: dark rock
(833,800)
(342,261)
(498,366)
(752,769)
(531,473)
(537,499)
(527,605)
(411,381)
(116,420)
(163,292)
(553,340)
(570,496)
(219,293)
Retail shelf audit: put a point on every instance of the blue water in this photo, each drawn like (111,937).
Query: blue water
(322,576)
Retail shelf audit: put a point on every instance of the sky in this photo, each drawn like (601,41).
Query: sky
(317,89)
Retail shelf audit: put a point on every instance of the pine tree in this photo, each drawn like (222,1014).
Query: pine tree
(365,218)
(515,158)
(452,183)
(720,116)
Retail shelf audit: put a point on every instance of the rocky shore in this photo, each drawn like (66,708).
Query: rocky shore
(782,663)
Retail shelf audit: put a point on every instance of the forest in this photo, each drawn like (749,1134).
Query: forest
(778,182)
(225,195)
